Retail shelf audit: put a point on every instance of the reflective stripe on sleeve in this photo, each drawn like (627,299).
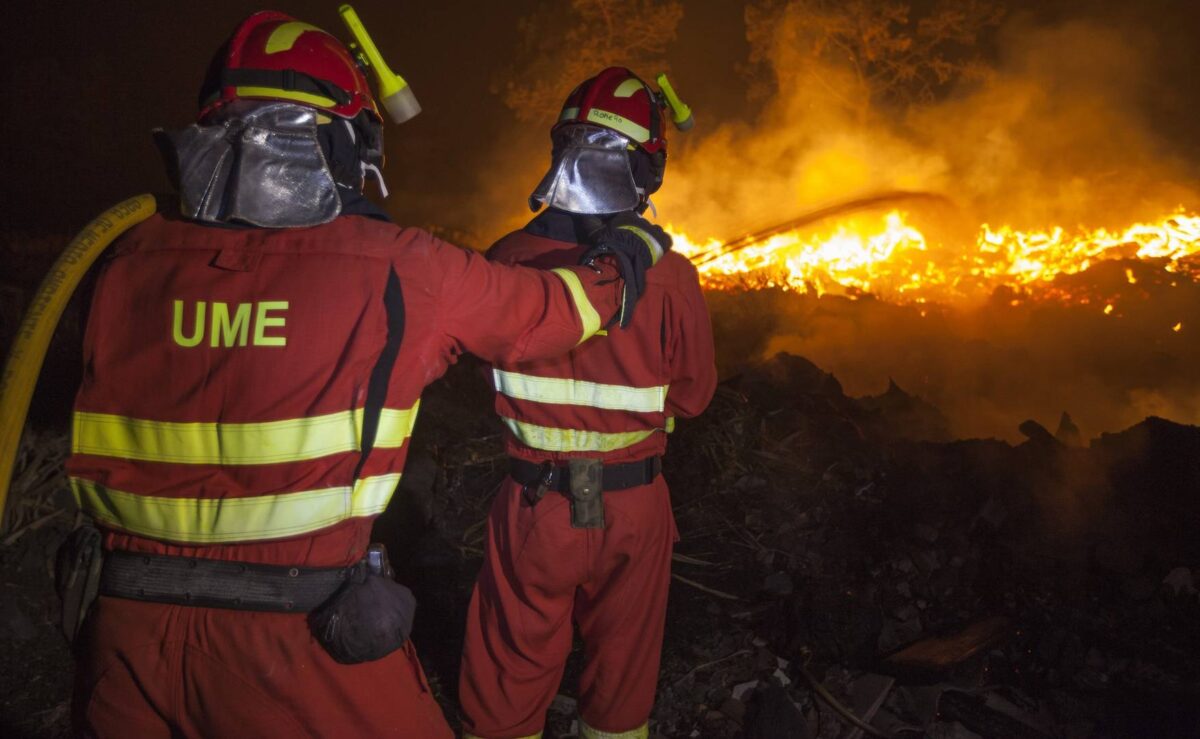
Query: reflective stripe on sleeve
(656,250)
(587,732)
(583,306)
(291,440)
(224,520)
(573,440)
(580,392)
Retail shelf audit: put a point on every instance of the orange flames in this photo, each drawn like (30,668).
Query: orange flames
(890,258)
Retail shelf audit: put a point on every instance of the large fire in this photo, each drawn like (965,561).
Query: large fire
(891,258)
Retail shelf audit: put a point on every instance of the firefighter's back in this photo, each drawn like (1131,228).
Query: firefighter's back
(227,365)
(606,399)
(227,376)
(582,529)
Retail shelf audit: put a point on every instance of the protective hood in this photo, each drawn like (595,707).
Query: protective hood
(590,173)
(254,163)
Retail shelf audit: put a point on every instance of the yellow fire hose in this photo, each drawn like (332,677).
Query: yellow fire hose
(41,318)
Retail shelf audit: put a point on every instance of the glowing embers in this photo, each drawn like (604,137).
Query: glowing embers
(857,255)
(1030,256)
(891,258)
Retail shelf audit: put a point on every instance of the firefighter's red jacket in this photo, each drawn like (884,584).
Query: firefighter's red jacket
(616,396)
(256,389)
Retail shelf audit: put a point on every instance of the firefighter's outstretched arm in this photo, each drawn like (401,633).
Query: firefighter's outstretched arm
(512,314)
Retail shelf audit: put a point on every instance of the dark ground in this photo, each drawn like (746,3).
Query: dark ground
(814,532)
(822,535)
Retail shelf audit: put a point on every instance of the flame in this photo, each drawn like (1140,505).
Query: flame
(893,259)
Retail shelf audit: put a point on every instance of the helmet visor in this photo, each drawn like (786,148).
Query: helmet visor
(589,174)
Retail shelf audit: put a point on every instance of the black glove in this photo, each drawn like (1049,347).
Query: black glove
(636,244)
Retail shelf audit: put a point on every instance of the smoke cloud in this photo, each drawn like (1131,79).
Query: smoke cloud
(1048,130)
(1052,135)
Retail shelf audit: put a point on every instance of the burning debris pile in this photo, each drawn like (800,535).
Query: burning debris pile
(894,260)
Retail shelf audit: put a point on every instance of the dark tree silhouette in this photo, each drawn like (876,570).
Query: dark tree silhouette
(897,53)
(564,43)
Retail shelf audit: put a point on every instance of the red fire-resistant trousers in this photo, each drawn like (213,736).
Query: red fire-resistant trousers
(152,670)
(538,574)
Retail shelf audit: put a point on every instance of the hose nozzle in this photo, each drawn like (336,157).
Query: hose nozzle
(394,93)
(681,114)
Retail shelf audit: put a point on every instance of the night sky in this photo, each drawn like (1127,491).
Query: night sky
(84,83)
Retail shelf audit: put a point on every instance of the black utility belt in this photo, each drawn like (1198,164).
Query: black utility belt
(358,613)
(557,478)
(211,583)
(583,482)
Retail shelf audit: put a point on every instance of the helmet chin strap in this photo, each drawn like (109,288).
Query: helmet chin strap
(644,202)
(366,167)
(374,172)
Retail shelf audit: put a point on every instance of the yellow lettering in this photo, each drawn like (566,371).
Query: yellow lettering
(223,330)
(229,327)
(198,327)
(263,321)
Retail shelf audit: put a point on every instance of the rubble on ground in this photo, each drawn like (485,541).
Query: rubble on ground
(842,551)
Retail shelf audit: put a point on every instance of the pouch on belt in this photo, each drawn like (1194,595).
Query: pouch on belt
(77,567)
(370,617)
(587,493)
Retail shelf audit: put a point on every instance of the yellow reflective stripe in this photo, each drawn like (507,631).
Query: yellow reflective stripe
(628,87)
(583,306)
(656,250)
(580,392)
(270,442)
(107,435)
(552,439)
(619,123)
(670,427)
(395,426)
(284,36)
(275,93)
(587,732)
(222,520)
(568,113)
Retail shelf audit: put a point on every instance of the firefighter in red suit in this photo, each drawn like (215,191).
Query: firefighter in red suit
(582,530)
(254,360)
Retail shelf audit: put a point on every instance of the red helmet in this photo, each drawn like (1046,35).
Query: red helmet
(617,99)
(272,56)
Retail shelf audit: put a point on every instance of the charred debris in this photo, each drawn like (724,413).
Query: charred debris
(845,568)
(928,586)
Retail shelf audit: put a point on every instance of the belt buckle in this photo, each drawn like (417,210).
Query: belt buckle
(377,562)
